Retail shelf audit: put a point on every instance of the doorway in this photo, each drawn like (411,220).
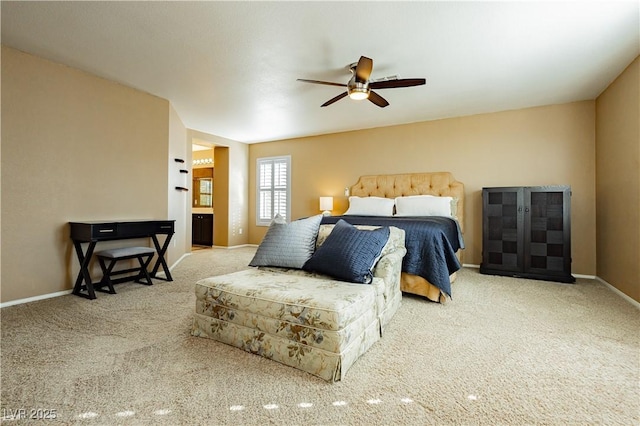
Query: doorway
(202,198)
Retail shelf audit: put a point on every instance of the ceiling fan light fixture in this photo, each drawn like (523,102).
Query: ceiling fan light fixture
(358,90)
(358,95)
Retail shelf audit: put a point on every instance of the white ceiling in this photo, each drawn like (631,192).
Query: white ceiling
(230,68)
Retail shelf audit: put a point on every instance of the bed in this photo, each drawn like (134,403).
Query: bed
(434,243)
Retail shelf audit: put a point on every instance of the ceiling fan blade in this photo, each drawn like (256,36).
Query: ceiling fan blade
(336,99)
(377,99)
(363,69)
(403,82)
(328,83)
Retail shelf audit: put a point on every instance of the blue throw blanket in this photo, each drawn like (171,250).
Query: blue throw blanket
(431,242)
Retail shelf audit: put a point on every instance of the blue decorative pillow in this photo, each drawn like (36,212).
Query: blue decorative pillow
(349,253)
(288,245)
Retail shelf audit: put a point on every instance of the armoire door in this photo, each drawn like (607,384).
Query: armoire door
(502,229)
(547,232)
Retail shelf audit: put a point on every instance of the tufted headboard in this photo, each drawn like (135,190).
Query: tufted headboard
(400,185)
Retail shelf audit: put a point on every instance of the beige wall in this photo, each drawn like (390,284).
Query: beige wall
(78,147)
(536,146)
(178,202)
(75,147)
(618,182)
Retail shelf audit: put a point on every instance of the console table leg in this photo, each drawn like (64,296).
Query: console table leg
(161,260)
(84,274)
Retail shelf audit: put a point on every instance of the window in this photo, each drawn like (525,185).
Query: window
(273,175)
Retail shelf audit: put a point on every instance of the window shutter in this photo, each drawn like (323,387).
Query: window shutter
(273,187)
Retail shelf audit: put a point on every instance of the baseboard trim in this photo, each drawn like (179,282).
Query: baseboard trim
(235,247)
(163,275)
(588,277)
(34,298)
(65,292)
(619,293)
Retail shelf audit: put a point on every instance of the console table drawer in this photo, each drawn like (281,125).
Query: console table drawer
(104,230)
(166,227)
(93,231)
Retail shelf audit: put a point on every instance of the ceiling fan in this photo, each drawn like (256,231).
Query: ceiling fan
(360,86)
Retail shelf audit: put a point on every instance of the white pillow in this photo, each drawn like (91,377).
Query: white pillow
(370,206)
(425,205)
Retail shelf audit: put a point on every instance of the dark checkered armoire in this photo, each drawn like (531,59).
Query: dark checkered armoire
(526,232)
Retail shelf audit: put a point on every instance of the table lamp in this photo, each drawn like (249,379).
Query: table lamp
(326,205)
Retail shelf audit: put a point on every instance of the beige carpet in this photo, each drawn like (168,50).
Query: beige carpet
(504,351)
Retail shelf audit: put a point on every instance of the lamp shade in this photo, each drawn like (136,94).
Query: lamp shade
(326,204)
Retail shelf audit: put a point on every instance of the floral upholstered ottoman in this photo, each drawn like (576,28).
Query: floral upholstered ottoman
(299,318)
(317,325)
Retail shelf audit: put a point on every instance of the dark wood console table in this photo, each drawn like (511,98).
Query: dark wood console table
(96,231)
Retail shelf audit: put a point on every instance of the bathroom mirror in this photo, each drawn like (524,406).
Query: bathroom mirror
(202,192)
